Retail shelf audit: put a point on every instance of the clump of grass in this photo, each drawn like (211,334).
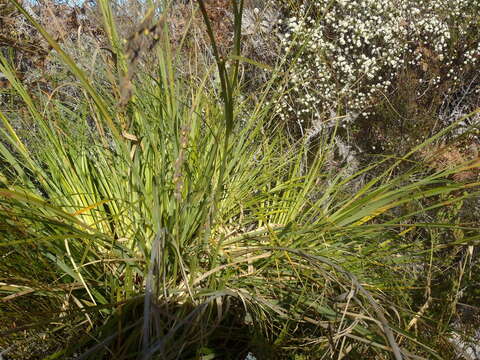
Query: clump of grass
(176,226)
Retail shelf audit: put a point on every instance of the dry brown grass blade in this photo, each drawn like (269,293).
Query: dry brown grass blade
(378,310)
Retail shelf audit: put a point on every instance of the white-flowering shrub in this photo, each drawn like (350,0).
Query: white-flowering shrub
(347,55)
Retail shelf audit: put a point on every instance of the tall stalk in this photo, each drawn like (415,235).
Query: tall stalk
(228,84)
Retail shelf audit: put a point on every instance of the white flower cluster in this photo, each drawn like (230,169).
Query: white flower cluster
(347,54)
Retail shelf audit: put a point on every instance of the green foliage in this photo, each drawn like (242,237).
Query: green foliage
(166,222)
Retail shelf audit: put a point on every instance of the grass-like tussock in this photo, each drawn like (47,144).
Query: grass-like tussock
(171,222)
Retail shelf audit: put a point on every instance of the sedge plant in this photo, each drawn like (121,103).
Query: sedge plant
(171,222)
